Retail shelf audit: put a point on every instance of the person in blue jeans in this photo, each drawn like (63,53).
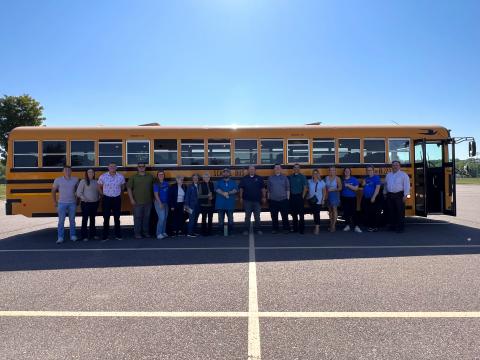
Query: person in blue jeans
(226,190)
(192,206)
(160,194)
(370,206)
(66,186)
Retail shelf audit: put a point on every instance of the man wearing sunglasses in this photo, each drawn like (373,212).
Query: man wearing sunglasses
(140,192)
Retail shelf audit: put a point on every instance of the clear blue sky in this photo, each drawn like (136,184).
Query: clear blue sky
(247,62)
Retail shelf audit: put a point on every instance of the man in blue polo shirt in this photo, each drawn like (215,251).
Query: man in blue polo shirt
(252,194)
(226,190)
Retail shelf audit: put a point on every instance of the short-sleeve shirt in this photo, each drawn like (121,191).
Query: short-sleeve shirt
(252,187)
(142,188)
(112,184)
(316,189)
(66,189)
(371,183)
(298,182)
(221,202)
(346,192)
(278,187)
(162,190)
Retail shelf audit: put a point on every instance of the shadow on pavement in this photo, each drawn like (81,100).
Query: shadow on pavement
(37,250)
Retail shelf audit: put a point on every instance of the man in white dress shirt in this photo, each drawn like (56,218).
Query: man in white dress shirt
(397,190)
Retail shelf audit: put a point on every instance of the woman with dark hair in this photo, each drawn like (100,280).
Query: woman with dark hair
(370,204)
(87,192)
(160,193)
(176,202)
(349,200)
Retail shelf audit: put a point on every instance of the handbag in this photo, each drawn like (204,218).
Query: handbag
(313,200)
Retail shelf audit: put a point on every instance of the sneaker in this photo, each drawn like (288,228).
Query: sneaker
(104,239)
(85,239)
(370,229)
(259,232)
(160,236)
(118,238)
(191,235)
(165,235)
(96,238)
(375,229)
(357,229)
(59,240)
(347,228)
(245,233)
(73,238)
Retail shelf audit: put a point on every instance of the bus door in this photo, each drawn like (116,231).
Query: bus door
(434,177)
(450,202)
(420,180)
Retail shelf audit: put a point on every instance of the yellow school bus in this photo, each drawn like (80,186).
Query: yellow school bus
(36,156)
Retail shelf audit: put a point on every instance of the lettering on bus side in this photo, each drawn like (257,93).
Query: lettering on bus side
(234,173)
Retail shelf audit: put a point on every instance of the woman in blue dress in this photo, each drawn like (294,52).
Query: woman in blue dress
(334,187)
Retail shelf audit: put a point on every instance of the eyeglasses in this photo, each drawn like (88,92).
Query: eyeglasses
(141,166)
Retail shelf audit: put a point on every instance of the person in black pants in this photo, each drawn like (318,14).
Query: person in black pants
(349,201)
(111,185)
(397,191)
(298,191)
(278,188)
(176,201)
(87,192)
(370,208)
(206,198)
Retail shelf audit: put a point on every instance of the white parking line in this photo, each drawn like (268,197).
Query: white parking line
(160,314)
(373,314)
(255,341)
(254,352)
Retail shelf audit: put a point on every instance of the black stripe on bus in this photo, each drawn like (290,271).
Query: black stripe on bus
(30,181)
(28,191)
(202,167)
(8,205)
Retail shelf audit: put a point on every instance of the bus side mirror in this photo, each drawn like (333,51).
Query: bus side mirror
(472,149)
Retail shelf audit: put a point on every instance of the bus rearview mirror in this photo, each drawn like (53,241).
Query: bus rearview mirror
(472,149)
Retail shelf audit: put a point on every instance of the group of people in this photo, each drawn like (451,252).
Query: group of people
(178,207)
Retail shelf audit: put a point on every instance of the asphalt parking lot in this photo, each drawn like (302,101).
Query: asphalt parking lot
(380,295)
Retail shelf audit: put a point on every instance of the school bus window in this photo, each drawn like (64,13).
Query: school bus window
(434,154)
(246,152)
(54,153)
(25,154)
(323,151)
(374,151)
(399,150)
(193,152)
(219,152)
(349,151)
(110,152)
(82,153)
(138,151)
(298,151)
(272,151)
(165,152)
